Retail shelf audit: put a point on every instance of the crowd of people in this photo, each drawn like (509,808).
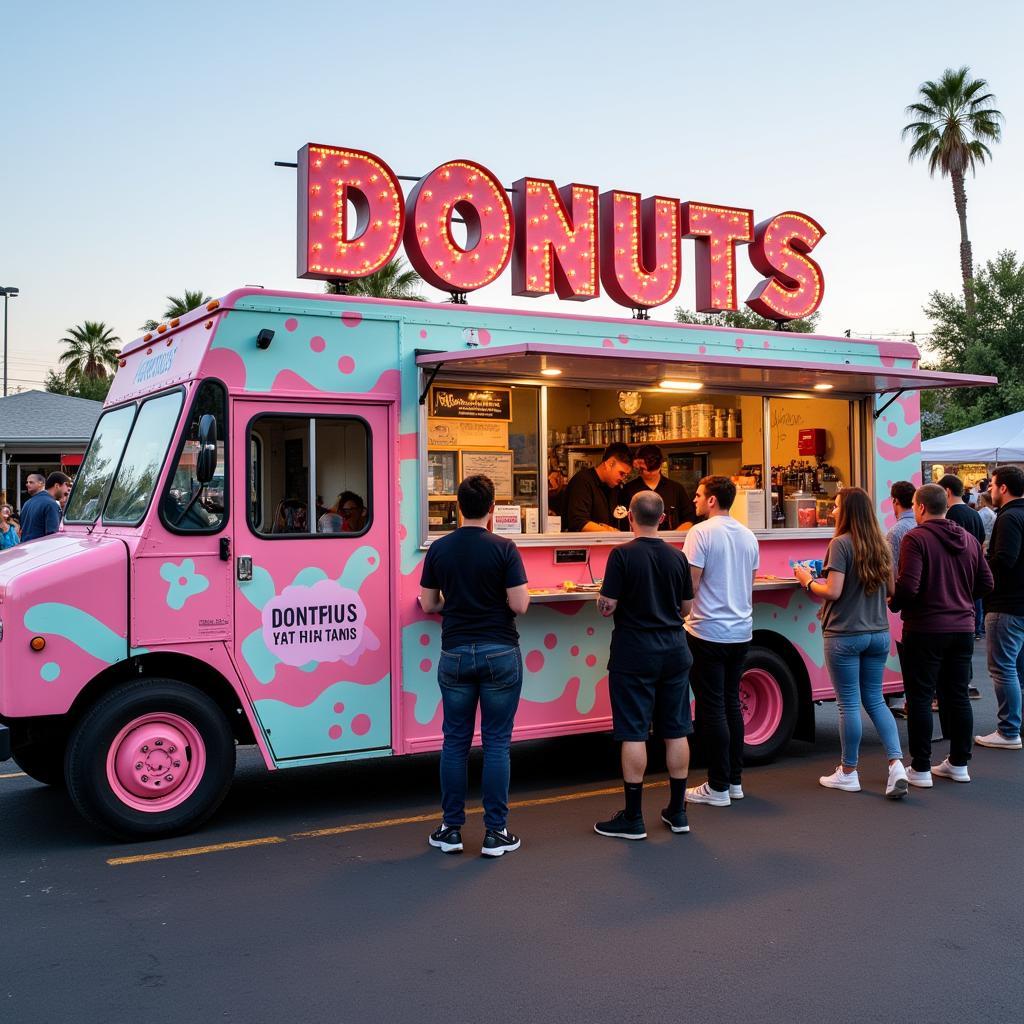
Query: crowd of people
(683,619)
(40,514)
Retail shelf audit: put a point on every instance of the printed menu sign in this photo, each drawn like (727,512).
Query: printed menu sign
(471,403)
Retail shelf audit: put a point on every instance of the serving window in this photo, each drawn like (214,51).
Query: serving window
(787,453)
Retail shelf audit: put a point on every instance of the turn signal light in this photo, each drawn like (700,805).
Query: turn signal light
(37,643)
(212,305)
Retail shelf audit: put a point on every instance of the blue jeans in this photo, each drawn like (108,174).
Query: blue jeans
(855,663)
(490,675)
(1006,667)
(979,618)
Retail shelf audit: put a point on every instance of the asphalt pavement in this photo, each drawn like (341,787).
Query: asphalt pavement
(313,896)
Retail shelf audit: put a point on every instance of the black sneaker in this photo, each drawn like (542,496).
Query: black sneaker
(447,838)
(499,842)
(621,827)
(677,822)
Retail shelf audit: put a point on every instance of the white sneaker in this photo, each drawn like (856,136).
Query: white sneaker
(735,792)
(956,772)
(849,781)
(997,739)
(922,780)
(706,795)
(897,782)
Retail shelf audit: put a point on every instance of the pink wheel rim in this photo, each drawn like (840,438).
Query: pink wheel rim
(761,704)
(156,762)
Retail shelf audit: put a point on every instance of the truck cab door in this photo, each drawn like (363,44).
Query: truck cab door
(312,575)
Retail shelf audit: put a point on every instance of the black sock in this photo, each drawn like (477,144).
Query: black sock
(634,799)
(677,795)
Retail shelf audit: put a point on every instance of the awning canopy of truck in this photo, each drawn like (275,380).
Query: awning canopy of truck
(636,368)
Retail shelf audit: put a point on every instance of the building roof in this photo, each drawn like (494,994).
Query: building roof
(41,417)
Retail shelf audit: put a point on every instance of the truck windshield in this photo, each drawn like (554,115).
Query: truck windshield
(124,461)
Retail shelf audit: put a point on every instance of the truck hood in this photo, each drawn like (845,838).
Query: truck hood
(37,554)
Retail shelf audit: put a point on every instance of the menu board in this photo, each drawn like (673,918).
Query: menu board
(496,465)
(467,433)
(471,403)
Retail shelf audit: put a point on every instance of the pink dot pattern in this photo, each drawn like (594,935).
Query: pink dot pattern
(535,661)
(350,318)
(317,344)
(551,641)
(346,364)
(291,324)
(361,725)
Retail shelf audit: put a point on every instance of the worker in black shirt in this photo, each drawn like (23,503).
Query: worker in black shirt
(680,513)
(648,589)
(593,499)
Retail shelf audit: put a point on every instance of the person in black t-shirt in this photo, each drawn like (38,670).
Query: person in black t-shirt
(648,589)
(959,512)
(680,513)
(477,582)
(593,499)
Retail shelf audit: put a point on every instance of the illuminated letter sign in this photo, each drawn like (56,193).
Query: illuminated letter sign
(556,239)
(717,229)
(568,241)
(794,286)
(329,179)
(470,190)
(639,248)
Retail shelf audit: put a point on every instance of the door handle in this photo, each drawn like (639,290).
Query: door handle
(225,549)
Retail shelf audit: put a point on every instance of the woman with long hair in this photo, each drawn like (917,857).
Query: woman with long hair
(856,581)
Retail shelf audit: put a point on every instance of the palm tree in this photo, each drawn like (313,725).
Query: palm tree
(395,280)
(91,352)
(177,307)
(955,118)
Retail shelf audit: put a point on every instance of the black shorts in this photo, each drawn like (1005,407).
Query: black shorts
(654,692)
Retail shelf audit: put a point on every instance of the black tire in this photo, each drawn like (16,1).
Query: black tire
(85,762)
(43,762)
(771,665)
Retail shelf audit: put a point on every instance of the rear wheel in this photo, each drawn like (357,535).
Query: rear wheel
(769,703)
(152,758)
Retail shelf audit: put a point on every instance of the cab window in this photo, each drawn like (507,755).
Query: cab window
(309,477)
(188,507)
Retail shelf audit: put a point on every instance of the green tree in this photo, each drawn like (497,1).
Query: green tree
(178,307)
(744,320)
(92,350)
(990,341)
(94,388)
(955,118)
(395,280)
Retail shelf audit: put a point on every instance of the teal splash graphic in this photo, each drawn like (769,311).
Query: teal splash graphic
(82,629)
(182,581)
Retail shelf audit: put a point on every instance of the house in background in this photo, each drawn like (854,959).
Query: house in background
(41,432)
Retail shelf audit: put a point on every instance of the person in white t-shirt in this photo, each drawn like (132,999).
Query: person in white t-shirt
(723,556)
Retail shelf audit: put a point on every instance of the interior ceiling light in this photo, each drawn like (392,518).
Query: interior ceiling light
(551,371)
(823,387)
(680,385)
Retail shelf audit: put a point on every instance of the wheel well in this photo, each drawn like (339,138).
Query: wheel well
(172,666)
(779,645)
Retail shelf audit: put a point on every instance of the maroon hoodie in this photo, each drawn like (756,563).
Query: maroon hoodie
(942,570)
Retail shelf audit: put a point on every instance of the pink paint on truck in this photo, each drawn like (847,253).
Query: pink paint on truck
(240,556)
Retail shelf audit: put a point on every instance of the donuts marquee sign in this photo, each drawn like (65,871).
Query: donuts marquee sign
(570,240)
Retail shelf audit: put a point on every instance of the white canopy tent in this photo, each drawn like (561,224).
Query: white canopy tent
(1000,440)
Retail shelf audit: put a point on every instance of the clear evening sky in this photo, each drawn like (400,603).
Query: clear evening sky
(138,139)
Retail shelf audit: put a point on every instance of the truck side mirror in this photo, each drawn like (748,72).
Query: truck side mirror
(206,460)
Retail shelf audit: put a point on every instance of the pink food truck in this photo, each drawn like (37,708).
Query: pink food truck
(239,560)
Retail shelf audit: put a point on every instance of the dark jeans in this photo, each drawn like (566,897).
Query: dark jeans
(979,618)
(715,678)
(491,676)
(938,665)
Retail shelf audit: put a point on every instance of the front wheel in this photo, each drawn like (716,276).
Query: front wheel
(769,704)
(152,758)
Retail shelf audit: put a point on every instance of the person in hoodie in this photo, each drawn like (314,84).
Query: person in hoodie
(941,572)
(857,580)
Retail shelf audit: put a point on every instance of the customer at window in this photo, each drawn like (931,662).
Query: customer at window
(352,510)
(858,577)
(10,532)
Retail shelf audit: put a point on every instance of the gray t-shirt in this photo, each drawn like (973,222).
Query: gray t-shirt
(854,611)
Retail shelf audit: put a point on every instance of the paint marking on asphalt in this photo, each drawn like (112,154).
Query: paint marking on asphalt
(13,775)
(194,851)
(363,826)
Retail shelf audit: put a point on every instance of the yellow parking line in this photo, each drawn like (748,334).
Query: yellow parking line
(194,851)
(361,826)
(13,775)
